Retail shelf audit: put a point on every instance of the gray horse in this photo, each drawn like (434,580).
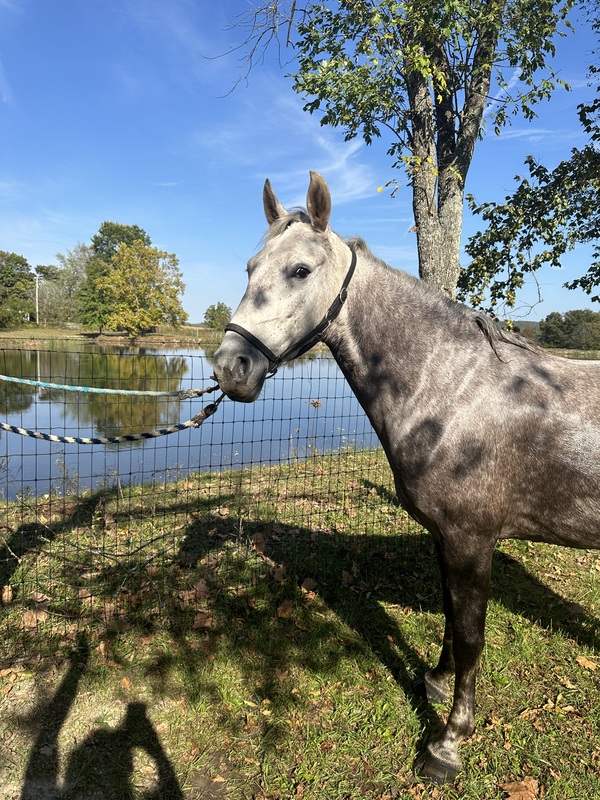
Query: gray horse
(487,437)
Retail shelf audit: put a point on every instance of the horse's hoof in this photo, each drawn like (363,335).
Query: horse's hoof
(436,770)
(428,690)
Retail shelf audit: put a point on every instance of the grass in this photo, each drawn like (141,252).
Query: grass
(256,634)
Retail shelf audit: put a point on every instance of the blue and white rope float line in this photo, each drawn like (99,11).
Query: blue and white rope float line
(185,394)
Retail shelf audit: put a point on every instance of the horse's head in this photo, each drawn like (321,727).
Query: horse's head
(292,282)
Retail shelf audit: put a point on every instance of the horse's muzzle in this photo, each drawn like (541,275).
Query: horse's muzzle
(240,369)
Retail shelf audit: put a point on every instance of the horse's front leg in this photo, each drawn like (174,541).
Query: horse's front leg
(467,570)
(434,685)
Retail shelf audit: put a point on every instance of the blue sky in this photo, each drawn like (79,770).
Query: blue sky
(110,110)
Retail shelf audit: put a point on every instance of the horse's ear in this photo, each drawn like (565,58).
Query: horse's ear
(318,202)
(273,208)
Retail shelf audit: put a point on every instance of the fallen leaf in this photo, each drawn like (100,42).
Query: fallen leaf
(259,542)
(527,789)
(7,595)
(286,609)
(586,663)
(309,584)
(126,684)
(201,588)
(567,683)
(187,558)
(203,619)
(33,617)
(187,597)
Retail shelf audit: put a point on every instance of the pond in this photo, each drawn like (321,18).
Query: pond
(307,407)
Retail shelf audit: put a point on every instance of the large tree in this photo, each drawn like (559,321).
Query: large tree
(420,73)
(71,275)
(59,286)
(17,290)
(142,288)
(548,213)
(217,316)
(94,305)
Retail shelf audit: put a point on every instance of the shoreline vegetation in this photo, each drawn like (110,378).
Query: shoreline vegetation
(189,335)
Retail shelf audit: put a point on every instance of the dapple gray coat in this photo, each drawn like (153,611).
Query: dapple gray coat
(487,437)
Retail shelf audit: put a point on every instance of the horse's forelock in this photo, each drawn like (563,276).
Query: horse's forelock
(283,223)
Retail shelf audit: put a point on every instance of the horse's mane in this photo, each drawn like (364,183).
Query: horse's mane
(494,335)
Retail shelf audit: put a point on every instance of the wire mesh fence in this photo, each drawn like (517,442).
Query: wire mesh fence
(149,533)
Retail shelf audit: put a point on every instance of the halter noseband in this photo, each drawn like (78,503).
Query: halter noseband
(307,341)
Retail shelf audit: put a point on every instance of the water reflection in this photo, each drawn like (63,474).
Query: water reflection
(283,424)
(117,415)
(16,397)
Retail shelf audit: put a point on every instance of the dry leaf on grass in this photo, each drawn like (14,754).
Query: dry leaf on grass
(309,585)
(586,663)
(259,542)
(33,617)
(527,789)
(286,609)
(7,595)
(203,619)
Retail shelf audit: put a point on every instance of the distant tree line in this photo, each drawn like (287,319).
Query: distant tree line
(118,283)
(574,329)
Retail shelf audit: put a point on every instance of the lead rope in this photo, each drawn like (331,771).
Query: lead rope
(194,422)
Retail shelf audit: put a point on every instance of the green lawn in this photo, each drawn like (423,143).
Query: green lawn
(256,634)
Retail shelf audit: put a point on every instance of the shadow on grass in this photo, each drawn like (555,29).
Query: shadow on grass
(103,761)
(240,582)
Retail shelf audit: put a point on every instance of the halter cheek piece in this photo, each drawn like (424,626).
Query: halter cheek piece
(307,341)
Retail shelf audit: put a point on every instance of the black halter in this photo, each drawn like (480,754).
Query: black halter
(307,341)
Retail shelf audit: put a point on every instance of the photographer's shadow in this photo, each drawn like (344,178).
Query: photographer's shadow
(104,761)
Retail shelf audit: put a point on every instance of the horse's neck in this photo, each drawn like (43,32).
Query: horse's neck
(389,339)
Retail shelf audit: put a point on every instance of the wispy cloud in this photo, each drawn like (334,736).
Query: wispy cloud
(11,6)
(552,139)
(257,138)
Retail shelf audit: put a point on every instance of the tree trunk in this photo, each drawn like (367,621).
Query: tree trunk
(437,195)
(442,145)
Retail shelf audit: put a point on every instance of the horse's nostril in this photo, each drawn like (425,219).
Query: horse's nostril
(241,367)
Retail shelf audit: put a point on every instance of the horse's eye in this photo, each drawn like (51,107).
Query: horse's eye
(301,272)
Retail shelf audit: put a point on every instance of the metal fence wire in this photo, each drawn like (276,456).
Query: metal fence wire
(152,532)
